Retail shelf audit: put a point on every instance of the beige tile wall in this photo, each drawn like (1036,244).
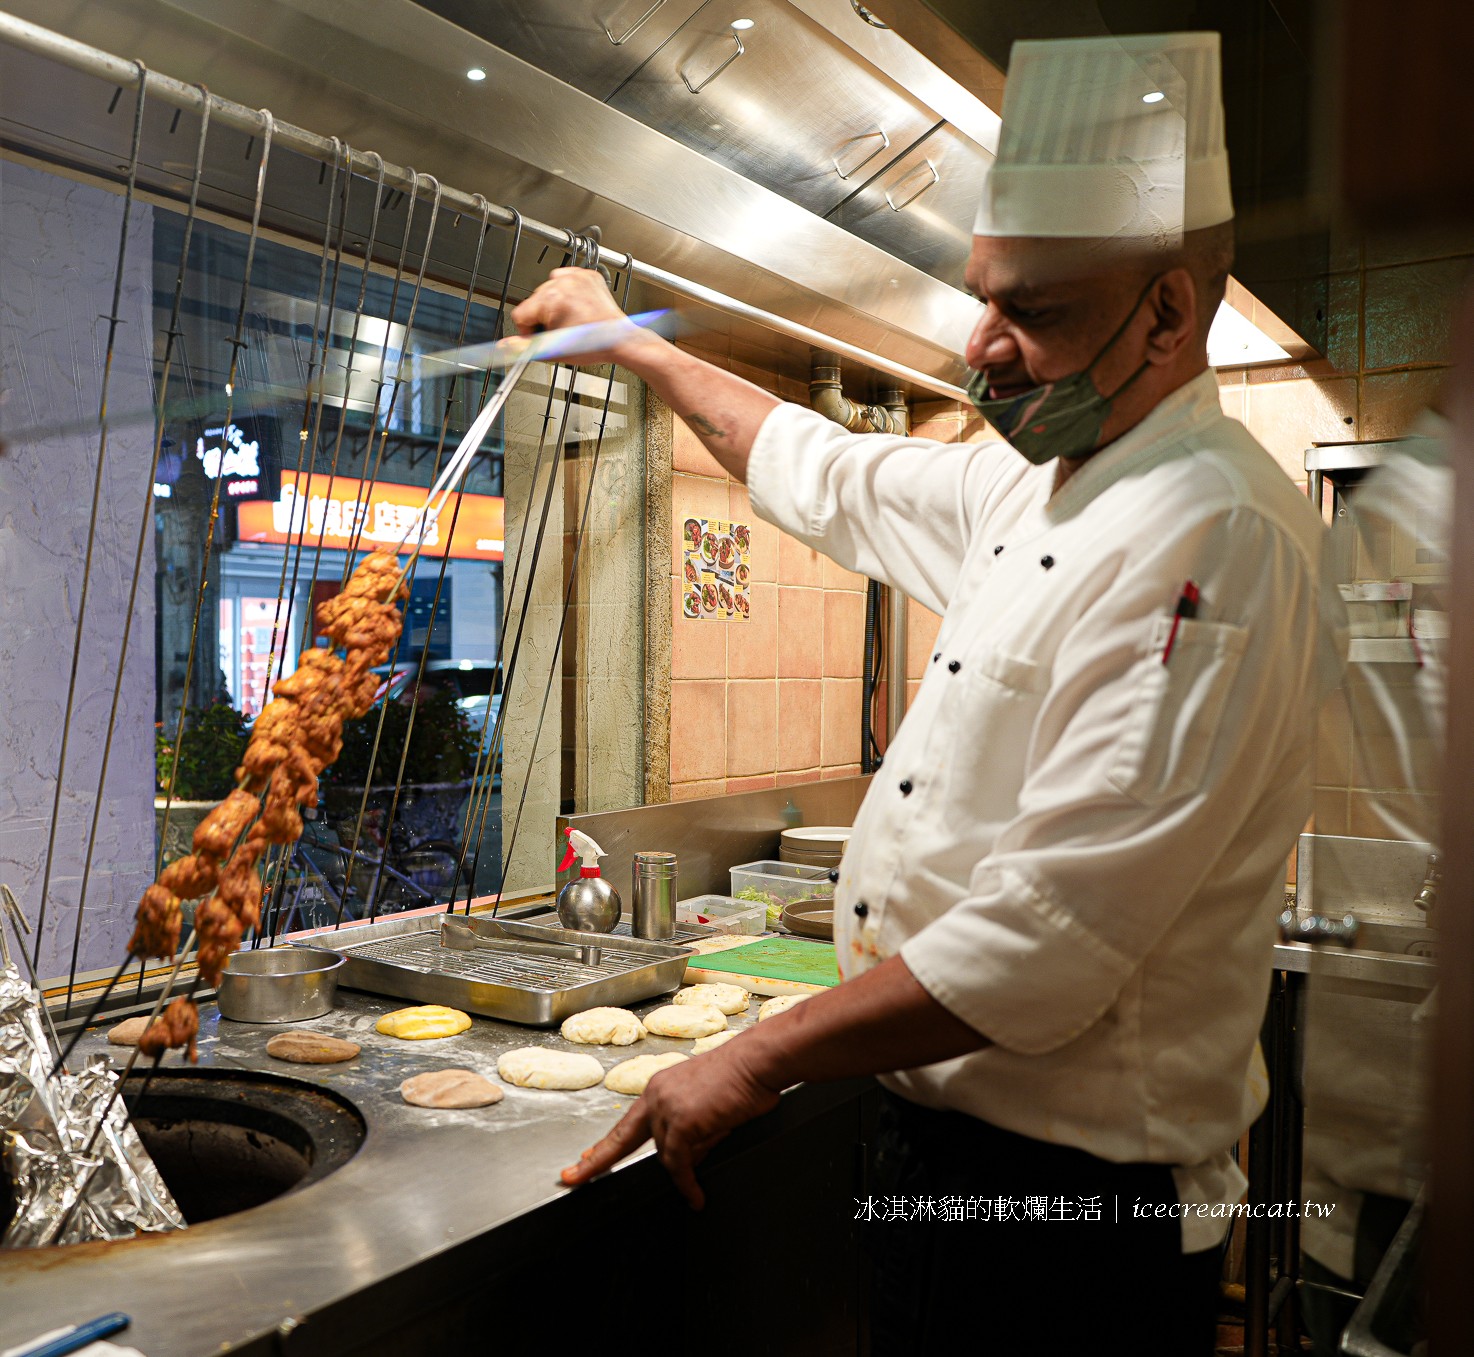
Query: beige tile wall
(1390,304)
(774,700)
(1388,312)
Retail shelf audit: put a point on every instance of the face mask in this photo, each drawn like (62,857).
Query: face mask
(1059,419)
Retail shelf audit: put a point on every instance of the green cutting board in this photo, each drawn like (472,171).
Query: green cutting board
(792,959)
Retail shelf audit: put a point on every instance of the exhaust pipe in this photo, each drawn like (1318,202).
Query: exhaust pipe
(828,398)
(889,416)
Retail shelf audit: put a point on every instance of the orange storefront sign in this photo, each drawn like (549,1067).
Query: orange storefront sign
(338,509)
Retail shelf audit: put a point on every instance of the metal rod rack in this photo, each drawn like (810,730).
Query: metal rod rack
(125,73)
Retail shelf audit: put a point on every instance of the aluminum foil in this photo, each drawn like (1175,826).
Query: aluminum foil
(45,1126)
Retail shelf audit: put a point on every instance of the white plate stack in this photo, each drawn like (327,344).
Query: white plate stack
(816,846)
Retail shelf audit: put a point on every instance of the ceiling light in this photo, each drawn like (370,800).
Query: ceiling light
(475,73)
(1155,97)
(742,25)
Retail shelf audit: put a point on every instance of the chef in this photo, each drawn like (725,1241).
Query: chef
(1056,915)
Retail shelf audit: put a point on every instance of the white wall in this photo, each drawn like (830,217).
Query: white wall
(58,250)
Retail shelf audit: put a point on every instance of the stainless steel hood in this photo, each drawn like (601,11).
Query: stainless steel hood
(390,76)
(805,97)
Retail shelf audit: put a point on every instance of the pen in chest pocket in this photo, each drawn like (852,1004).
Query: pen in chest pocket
(1187,606)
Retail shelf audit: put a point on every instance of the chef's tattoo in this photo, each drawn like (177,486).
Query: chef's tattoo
(703,425)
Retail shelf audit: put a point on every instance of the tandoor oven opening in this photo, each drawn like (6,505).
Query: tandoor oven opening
(228,1140)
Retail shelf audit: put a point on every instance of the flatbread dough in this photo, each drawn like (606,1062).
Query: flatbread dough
(539,1067)
(127,1032)
(603,1027)
(450,1088)
(423,1023)
(770,1008)
(685,1020)
(631,1076)
(712,1042)
(311,1048)
(730,999)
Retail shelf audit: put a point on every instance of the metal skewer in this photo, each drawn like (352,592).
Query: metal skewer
(91,1015)
(158,1007)
(11,907)
(561,345)
(455,469)
(516,355)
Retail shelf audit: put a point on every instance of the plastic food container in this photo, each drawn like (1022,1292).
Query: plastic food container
(286,984)
(724,913)
(781,882)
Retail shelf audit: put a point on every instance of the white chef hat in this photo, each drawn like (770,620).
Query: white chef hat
(1116,138)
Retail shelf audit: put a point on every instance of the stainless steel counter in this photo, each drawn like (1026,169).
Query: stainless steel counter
(423,1183)
(1397,970)
(433,1196)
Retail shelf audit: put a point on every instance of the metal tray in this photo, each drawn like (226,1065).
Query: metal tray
(404,959)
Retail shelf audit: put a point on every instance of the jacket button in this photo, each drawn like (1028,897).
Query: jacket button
(906,787)
(834,876)
(861,910)
(1047,562)
(997,551)
(936,657)
(953,666)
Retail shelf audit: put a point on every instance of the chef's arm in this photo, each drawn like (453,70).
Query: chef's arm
(898,510)
(723,411)
(881,1021)
(877,1023)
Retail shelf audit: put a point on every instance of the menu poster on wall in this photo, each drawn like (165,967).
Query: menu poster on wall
(717,569)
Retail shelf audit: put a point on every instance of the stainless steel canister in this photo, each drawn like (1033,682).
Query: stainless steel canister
(653,906)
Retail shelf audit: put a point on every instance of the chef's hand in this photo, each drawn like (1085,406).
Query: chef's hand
(579,297)
(687,1110)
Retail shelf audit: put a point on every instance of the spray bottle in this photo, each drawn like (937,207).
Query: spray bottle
(589,904)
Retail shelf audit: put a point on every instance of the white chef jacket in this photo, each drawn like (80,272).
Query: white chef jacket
(1078,849)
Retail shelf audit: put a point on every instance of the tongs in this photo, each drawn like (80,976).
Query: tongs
(464,935)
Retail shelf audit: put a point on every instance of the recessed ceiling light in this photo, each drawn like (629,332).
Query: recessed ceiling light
(1155,97)
(475,73)
(742,25)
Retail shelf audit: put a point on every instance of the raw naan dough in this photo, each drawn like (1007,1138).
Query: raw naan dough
(770,1008)
(538,1067)
(311,1048)
(729,999)
(631,1076)
(423,1023)
(603,1027)
(711,1043)
(685,1020)
(127,1032)
(450,1088)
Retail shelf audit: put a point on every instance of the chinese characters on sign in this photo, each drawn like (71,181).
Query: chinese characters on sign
(339,511)
(960,1208)
(717,569)
(242,455)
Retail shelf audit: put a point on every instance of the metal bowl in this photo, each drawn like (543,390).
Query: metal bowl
(284,984)
(810,918)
